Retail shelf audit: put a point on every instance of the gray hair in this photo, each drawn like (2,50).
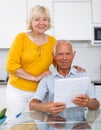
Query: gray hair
(37,11)
(61,42)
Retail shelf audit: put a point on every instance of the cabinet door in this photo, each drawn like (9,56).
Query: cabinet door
(96,6)
(3,102)
(72,20)
(12,20)
(47,3)
(98,93)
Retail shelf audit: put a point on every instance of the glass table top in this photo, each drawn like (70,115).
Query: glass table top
(70,119)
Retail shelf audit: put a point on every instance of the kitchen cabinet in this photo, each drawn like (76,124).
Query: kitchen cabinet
(96,11)
(3,102)
(98,93)
(72,20)
(72,0)
(13,16)
(47,3)
(12,20)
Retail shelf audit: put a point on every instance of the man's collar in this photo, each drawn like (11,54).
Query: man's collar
(72,71)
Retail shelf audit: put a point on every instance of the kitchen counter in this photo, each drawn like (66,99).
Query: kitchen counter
(3,82)
(3,88)
(97,82)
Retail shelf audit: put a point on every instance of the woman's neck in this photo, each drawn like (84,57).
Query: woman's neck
(38,38)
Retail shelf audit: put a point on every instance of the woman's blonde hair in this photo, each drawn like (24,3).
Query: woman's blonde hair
(37,11)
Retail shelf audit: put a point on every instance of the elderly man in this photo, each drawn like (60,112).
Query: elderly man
(43,99)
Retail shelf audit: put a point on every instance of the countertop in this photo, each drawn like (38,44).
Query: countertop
(3,82)
(95,82)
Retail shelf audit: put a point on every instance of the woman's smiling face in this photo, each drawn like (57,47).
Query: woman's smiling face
(40,24)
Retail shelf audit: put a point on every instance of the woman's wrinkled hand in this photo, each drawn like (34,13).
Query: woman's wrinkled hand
(79,69)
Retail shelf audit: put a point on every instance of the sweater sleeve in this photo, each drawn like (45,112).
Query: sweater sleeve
(14,55)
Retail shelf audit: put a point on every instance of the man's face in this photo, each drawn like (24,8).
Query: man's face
(64,56)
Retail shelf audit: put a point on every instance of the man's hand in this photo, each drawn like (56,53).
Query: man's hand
(81,100)
(55,107)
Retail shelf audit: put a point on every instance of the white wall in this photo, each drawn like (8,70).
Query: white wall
(89,57)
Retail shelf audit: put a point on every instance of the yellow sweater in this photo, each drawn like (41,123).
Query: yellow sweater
(32,58)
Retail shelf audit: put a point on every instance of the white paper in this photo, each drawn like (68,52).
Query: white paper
(66,89)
